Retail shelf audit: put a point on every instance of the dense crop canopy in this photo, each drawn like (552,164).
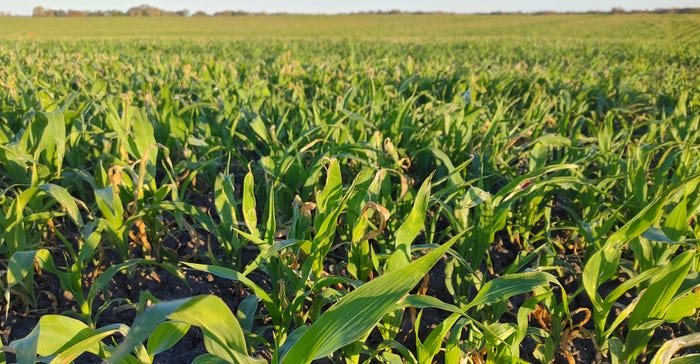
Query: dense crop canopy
(497,195)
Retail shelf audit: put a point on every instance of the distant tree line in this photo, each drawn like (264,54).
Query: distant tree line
(150,11)
(143,10)
(615,11)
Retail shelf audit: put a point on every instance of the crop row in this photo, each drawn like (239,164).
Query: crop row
(551,191)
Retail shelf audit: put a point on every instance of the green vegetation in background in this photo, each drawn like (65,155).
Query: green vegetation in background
(644,28)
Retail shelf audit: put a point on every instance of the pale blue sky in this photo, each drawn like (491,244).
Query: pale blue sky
(24,7)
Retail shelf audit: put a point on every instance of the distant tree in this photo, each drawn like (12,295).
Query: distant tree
(76,13)
(40,11)
(230,13)
(617,10)
(224,13)
(143,10)
(115,13)
(200,13)
(151,11)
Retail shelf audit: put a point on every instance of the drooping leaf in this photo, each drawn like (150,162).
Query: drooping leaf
(62,196)
(231,274)
(208,312)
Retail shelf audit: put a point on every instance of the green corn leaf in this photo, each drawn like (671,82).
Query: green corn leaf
(144,325)
(423,301)
(268,251)
(62,196)
(291,340)
(224,200)
(165,336)
(249,215)
(645,218)
(92,343)
(332,193)
(246,311)
(25,349)
(209,359)
(427,349)
(271,222)
(203,219)
(682,307)
(475,196)
(220,326)
(654,301)
(63,339)
(391,358)
(92,235)
(508,286)
(611,298)
(397,346)
(331,204)
(57,333)
(453,350)
(54,139)
(251,238)
(554,140)
(661,290)
(410,228)
(208,312)
(359,311)
(231,274)
(615,348)
(104,279)
(21,267)
(685,359)
(259,128)
(16,211)
(514,187)
(676,223)
(655,234)
(143,142)
(601,266)
(110,206)
(453,173)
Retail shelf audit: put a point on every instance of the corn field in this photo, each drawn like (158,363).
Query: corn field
(433,188)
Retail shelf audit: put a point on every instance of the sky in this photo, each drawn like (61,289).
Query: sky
(24,7)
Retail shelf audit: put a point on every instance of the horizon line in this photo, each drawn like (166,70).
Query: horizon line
(231,13)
